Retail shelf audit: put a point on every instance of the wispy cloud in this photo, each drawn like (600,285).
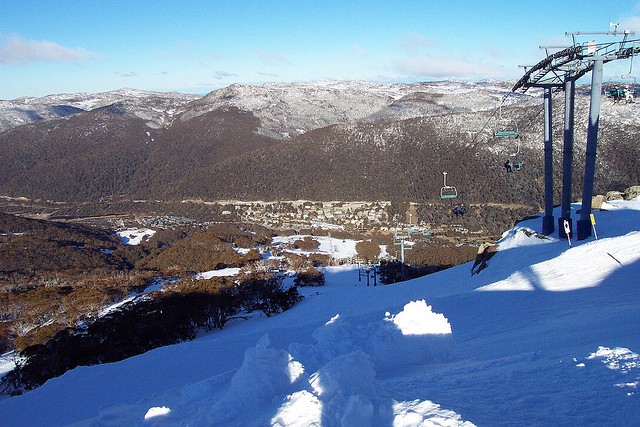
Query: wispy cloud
(271,58)
(16,50)
(631,23)
(220,75)
(178,51)
(360,52)
(128,74)
(444,67)
(413,42)
(219,56)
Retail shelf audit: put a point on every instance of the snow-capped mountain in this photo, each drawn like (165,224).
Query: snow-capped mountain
(185,146)
(157,108)
(290,109)
(285,109)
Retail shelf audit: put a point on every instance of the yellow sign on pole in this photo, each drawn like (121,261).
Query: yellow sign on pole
(593,219)
(593,224)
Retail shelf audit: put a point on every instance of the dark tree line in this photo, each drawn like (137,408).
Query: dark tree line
(229,159)
(146,323)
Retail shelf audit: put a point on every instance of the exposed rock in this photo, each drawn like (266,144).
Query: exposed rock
(597,201)
(485,252)
(614,195)
(632,192)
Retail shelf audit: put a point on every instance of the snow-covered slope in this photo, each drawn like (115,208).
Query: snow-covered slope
(284,109)
(157,108)
(547,334)
(289,109)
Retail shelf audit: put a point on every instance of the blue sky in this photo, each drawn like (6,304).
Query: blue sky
(195,46)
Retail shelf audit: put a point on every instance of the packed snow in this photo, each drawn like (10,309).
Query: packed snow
(7,362)
(230,271)
(546,334)
(337,248)
(135,236)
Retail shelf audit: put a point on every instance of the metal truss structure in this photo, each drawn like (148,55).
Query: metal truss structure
(575,61)
(559,71)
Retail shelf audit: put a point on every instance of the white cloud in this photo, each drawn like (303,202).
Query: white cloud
(218,56)
(631,23)
(271,58)
(360,52)
(444,67)
(414,41)
(224,74)
(17,50)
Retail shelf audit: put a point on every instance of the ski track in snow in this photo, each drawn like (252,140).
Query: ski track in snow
(545,335)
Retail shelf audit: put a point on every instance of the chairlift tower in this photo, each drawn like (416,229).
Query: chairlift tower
(399,239)
(370,271)
(559,71)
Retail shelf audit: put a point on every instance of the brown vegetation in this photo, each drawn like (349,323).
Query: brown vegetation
(368,250)
(219,155)
(145,323)
(54,275)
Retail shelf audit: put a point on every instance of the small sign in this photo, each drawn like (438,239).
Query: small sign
(591,47)
(593,225)
(567,230)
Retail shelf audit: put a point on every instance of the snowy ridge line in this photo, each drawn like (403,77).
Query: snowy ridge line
(157,108)
(285,109)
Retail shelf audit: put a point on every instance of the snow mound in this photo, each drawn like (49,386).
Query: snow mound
(425,413)
(617,359)
(300,409)
(522,236)
(135,236)
(157,412)
(230,271)
(334,381)
(417,318)
(624,362)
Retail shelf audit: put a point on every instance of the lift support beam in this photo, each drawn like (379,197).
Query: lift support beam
(560,71)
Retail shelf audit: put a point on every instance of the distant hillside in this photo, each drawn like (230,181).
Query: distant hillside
(320,141)
(157,108)
(84,157)
(28,246)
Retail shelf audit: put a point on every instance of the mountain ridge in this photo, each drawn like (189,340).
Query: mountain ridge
(321,141)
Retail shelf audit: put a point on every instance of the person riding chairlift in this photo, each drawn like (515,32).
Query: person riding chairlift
(508,166)
(512,166)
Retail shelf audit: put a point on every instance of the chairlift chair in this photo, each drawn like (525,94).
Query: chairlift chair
(512,134)
(510,131)
(513,166)
(447,191)
(621,89)
(459,209)
(507,133)
(624,88)
(614,91)
(629,82)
